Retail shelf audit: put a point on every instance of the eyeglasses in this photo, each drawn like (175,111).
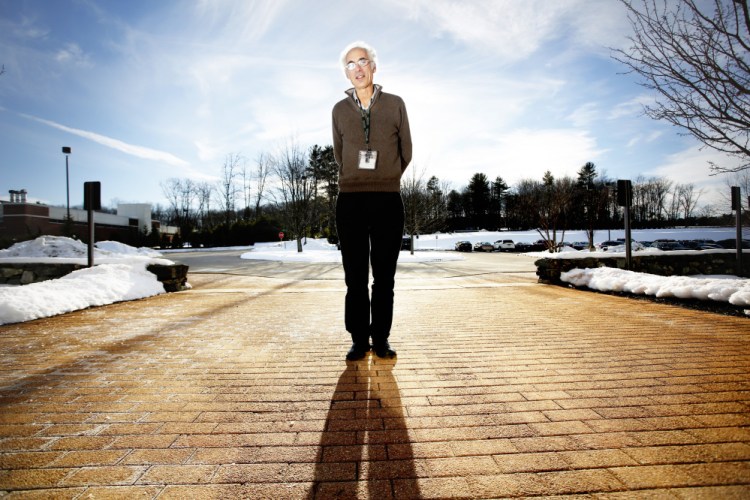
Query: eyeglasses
(361,63)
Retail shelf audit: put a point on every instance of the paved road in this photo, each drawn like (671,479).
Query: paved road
(473,264)
(503,387)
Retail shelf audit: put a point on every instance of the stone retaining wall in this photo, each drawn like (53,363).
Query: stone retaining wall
(173,277)
(26,273)
(699,262)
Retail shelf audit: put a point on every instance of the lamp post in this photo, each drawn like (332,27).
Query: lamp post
(66,151)
(305,195)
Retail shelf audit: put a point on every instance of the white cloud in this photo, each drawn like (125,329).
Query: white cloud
(641,138)
(73,54)
(138,151)
(532,152)
(632,107)
(654,135)
(584,115)
(691,166)
(28,29)
(238,20)
(515,30)
(512,30)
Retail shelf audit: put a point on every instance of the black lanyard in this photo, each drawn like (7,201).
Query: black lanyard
(366,125)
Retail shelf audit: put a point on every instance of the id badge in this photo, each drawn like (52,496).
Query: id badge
(367,160)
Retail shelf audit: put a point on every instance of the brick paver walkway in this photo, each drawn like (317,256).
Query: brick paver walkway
(503,388)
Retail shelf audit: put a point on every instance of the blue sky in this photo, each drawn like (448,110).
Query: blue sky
(143,91)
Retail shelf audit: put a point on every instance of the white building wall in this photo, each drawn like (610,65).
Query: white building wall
(140,211)
(60,213)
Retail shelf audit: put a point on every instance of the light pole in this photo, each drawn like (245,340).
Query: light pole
(305,195)
(66,151)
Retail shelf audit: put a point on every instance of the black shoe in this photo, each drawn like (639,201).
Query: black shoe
(384,350)
(357,352)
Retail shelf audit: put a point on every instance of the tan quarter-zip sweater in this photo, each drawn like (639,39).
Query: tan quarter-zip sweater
(389,136)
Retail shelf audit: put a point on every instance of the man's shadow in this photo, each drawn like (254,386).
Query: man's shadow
(365,451)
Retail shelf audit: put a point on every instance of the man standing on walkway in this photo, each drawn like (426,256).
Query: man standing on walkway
(372,146)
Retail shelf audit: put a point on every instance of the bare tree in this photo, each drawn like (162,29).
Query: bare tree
(203,193)
(262,168)
(180,193)
(707,211)
(675,208)
(246,175)
(415,202)
(556,196)
(437,207)
(698,62)
(425,204)
(650,198)
(295,188)
(227,187)
(741,179)
(687,199)
(548,202)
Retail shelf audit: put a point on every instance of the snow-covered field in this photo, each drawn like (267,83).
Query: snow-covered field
(120,272)
(322,251)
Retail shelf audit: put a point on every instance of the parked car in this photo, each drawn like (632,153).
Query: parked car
(484,246)
(709,246)
(670,246)
(504,245)
(525,246)
(732,243)
(463,246)
(605,245)
(701,244)
(580,245)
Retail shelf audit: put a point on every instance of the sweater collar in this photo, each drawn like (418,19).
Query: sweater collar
(353,94)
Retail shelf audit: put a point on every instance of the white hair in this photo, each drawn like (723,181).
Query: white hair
(371,54)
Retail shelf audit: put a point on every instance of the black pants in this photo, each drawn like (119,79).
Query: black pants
(370,228)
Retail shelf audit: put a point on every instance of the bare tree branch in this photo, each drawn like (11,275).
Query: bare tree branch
(698,63)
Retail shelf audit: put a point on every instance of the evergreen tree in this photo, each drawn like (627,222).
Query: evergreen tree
(478,200)
(455,208)
(325,172)
(586,207)
(497,202)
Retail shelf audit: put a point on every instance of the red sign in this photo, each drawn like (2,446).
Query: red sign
(281,235)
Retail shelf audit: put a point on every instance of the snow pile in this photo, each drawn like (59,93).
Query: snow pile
(95,286)
(115,247)
(61,247)
(120,274)
(320,251)
(729,289)
(617,251)
(50,246)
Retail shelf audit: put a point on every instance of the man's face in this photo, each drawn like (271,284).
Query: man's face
(361,77)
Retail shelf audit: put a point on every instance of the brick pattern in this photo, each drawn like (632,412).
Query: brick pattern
(503,388)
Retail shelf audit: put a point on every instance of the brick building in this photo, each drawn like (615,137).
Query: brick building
(20,220)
